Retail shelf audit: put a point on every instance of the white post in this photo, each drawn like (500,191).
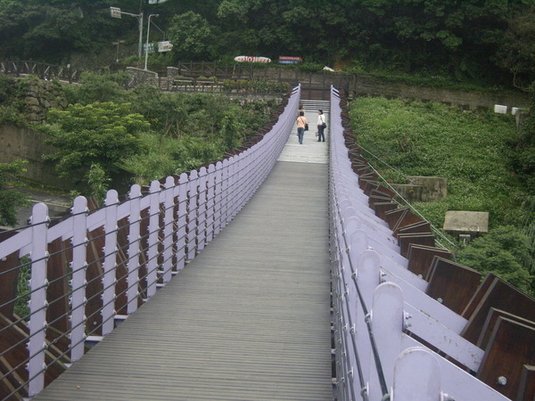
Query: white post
(110,262)
(154,226)
(133,248)
(78,283)
(169,205)
(417,376)
(38,304)
(218,205)
(140,45)
(210,202)
(192,214)
(147,42)
(183,183)
(201,210)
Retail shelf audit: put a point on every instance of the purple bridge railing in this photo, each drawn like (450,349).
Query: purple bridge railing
(380,307)
(95,268)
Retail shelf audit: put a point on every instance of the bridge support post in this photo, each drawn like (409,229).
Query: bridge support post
(38,304)
(110,262)
(133,248)
(79,269)
(154,231)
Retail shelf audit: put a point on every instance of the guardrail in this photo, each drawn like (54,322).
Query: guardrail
(42,70)
(93,269)
(397,334)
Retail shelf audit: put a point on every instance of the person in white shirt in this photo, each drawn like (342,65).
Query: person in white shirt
(321,126)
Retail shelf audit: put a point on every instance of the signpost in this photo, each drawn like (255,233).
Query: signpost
(149,47)
(115,12)
(290,60)
(165,46)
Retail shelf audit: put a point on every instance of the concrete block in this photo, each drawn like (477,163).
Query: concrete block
(463,222)
(500,109)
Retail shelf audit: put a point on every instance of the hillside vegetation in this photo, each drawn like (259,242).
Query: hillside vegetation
(413,36)
(473,150)
(108,137)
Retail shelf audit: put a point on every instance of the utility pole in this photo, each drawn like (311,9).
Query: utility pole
(147,43)
(117,13)
(140,43)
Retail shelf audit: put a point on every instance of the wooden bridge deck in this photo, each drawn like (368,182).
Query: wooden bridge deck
(248,319)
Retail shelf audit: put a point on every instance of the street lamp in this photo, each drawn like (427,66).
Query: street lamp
(147,42)
(117,13)
(117,43)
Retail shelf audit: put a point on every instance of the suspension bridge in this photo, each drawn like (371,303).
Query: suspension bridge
(285,272)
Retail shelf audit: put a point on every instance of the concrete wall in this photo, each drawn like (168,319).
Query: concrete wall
(23,143)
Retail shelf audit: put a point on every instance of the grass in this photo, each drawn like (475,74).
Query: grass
(469,148)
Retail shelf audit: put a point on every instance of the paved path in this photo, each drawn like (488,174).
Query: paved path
(248,319)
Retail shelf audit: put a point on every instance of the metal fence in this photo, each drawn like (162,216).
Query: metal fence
(44,71)
(392,341)
(66,286)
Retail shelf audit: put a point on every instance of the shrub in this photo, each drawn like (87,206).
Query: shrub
(99,133)
(504,251)
(10,198)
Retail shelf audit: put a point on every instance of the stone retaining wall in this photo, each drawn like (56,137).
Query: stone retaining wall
(40,96)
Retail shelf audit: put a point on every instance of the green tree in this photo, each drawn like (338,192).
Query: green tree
(98,182)
(101,133)
(10,198)
(53,30)
(231,130)
(98,88)
(191,36)
(517,51)
(523,157)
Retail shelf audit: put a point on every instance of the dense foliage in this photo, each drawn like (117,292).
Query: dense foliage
(523,158)
(473,151)
(97,135)
(109,136)
(10,198)
(476,39)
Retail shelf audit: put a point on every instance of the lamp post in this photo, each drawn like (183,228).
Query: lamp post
(117,13)
(147,42)
(117,43)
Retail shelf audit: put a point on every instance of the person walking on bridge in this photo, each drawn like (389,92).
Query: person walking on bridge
(301,124)
(321,126)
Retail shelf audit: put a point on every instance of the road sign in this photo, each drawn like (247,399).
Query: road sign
(165,46)
(290,60)
(152,47)
(115,12)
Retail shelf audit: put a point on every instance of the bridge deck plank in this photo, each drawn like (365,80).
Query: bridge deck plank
(248,319)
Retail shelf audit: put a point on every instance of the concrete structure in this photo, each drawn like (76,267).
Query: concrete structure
(462,222)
